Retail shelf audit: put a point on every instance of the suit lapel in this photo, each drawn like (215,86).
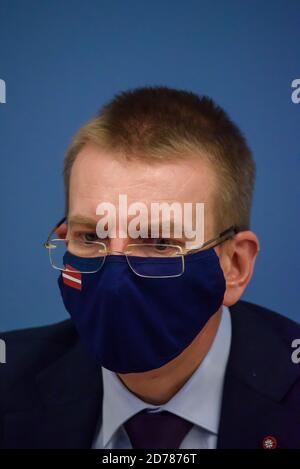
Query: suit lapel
(259,375)
(248,417)
(66,408)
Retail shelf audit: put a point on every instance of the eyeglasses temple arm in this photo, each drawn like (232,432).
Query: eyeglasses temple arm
(225,234)
(46,243)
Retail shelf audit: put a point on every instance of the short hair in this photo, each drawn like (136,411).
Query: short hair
(159,124)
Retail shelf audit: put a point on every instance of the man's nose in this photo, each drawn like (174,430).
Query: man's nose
(117,245)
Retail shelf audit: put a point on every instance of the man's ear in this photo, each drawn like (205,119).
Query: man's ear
(61,231)
(237,258)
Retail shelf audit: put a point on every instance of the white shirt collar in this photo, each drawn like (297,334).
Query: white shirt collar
(198,401)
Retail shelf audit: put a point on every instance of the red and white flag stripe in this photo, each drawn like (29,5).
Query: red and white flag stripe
(72,278)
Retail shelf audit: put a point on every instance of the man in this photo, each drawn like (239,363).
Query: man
(160,351)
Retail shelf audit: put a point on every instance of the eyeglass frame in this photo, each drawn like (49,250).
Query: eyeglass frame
(221,238)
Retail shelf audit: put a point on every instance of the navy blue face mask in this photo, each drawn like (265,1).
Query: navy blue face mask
(135,324)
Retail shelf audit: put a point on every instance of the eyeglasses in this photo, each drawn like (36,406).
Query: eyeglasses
(88,257)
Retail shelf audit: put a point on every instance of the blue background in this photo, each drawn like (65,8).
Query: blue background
(62,60)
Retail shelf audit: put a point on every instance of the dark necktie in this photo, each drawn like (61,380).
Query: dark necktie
(156,430)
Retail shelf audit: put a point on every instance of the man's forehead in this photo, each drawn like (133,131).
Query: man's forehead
(98,176)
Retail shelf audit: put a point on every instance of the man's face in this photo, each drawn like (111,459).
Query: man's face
(98,176)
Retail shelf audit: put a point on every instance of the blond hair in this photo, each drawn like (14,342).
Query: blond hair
(160,124)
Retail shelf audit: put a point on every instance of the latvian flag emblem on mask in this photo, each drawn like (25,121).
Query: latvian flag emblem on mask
(72,277)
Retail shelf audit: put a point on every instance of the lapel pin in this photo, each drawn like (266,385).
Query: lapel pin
(269,442)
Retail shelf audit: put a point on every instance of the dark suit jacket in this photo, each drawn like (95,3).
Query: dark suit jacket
(51,391)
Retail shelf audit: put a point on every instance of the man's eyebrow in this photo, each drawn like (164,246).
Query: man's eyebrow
(82,220)
(172,224)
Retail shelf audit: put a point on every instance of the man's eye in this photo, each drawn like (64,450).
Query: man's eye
(88,237)
(161,243)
